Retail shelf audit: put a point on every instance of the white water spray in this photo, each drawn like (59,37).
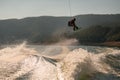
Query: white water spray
(24,63)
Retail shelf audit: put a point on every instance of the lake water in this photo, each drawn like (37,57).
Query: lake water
(38,62)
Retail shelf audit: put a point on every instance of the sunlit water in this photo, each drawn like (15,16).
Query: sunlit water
(36,62)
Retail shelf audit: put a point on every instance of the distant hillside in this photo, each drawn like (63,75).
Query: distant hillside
(90,20)
(46,29)
(98,34)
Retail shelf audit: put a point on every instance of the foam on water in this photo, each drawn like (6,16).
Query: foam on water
(22,63)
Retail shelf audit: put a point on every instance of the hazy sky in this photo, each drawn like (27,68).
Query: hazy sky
(29,8)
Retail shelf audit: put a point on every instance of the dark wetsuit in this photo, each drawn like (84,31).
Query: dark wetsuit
(72,23)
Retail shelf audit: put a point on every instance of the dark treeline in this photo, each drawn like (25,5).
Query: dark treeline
(47,29)
(98,34)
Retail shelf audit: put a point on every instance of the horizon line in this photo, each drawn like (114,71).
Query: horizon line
(59,16)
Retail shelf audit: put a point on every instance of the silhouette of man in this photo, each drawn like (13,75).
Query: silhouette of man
(71,23)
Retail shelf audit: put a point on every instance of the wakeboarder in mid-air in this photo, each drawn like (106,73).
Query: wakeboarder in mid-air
(71,23)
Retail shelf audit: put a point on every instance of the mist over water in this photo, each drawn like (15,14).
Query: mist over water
(55,62)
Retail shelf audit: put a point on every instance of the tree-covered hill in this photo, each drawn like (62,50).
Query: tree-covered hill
(98,34)
(48,29)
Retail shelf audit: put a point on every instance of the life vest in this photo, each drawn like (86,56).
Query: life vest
(70,24)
